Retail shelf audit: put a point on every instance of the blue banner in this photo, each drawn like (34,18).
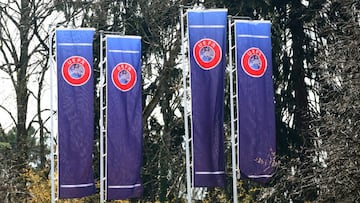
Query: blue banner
(256,114)
(207,48)
(74,51)
(124,117)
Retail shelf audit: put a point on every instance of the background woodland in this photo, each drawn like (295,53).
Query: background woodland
(316,76)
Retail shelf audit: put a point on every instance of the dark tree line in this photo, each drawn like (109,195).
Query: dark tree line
(316,80)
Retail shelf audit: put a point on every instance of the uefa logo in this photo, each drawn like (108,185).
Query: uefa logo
(124,76)
(207,53)
(76,70)
(254,62)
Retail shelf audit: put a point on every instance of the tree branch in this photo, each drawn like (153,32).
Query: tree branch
(10,114)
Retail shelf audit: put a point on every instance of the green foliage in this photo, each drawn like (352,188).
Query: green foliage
(8,145)
(5,146)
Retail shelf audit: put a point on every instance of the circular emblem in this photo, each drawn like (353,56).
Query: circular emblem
(76,70)
(253,62)
(124,76)
(207,53)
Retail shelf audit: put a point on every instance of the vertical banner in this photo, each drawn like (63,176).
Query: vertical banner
(207,48)
(74,50)
(124,117)
(256,114)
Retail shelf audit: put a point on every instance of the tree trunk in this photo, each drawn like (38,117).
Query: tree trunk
(42,153)
(301,114)
(21,90)
(164,154)
(298,70)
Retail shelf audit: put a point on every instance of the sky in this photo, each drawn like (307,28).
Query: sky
(7,92)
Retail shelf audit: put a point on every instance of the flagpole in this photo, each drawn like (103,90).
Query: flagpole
(233,151)
(101,119)
(51,117)
(186,125)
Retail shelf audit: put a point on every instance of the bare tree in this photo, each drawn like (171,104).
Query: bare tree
(337,127)
(330,170)
(23,58)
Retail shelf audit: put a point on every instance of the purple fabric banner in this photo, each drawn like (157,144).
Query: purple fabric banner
(256,114)
(124,117)
(207,47)
(75,112)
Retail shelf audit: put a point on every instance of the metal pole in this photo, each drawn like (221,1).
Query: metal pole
(233,151)
(51,118)
(186,125)
(101,119)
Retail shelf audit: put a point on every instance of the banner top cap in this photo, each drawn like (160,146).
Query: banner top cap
(123,36)
(208,10)
(75,29)
(252,21)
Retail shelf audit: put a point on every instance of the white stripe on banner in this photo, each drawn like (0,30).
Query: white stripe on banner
(78,185)
(260,176)
(206,26)
(209,172)
(254,36)
(74,44)
(124,51)
(124,186)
